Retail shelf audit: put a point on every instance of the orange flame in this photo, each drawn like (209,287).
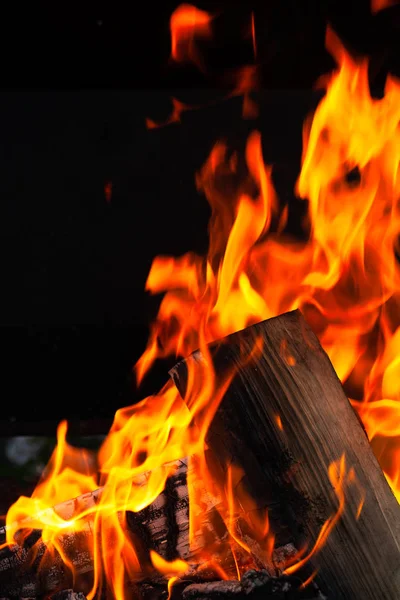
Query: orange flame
(188,23)
(345,277)
(70,472)
(171,568)
(339,478)
(177,109)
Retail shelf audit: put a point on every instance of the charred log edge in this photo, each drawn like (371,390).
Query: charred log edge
(68,594)
(172,501)
(140,531)
(254,584)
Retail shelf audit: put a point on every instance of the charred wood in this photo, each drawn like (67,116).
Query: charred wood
(284,420)
(68,595)
(26,570)
(254,585)
(163,526)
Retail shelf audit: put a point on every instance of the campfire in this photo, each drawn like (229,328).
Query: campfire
(268,466)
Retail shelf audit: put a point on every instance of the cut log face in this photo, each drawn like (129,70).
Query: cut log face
(284,420)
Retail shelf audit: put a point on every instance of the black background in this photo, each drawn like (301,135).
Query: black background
(77,84)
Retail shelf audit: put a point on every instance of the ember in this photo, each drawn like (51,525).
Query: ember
(250,474)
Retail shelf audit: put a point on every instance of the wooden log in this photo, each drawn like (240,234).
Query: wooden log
(163,526)
(254,585)
(284,420)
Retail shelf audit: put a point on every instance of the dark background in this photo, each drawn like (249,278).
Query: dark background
(77,83)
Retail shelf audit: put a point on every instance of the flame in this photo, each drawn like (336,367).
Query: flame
(70,472)
(339,477)
(279,422)
(246,80)
(345,279)
(378,5)
(253,34)
(171,568)
(188,23)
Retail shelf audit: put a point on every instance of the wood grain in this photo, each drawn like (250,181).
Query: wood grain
(292,382)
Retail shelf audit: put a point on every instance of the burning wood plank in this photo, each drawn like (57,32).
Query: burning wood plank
(163,526)
(286,422)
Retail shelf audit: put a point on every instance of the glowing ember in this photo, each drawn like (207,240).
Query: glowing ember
(345,278)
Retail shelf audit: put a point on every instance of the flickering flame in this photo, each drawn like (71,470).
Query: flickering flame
(253,34)
(339,478)
(171,568)
(378,5)
(177,109)
(69,473)
(345,278)
(188,23)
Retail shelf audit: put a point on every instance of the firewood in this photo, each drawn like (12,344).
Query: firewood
(150,529)
(68,595)
(215,589)
(254,585)
(284,420)
(163,526)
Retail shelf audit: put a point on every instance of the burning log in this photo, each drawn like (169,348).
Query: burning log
(163,526)
(286,422)
(254,585)
(28,570)
(68,595)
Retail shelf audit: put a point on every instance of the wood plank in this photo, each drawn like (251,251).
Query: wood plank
(284,420)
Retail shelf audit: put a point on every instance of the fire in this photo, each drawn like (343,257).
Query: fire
(345,278)
(69,473)
(378,5)
(177,109)
(188,23)
(172,568)
(339,477)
